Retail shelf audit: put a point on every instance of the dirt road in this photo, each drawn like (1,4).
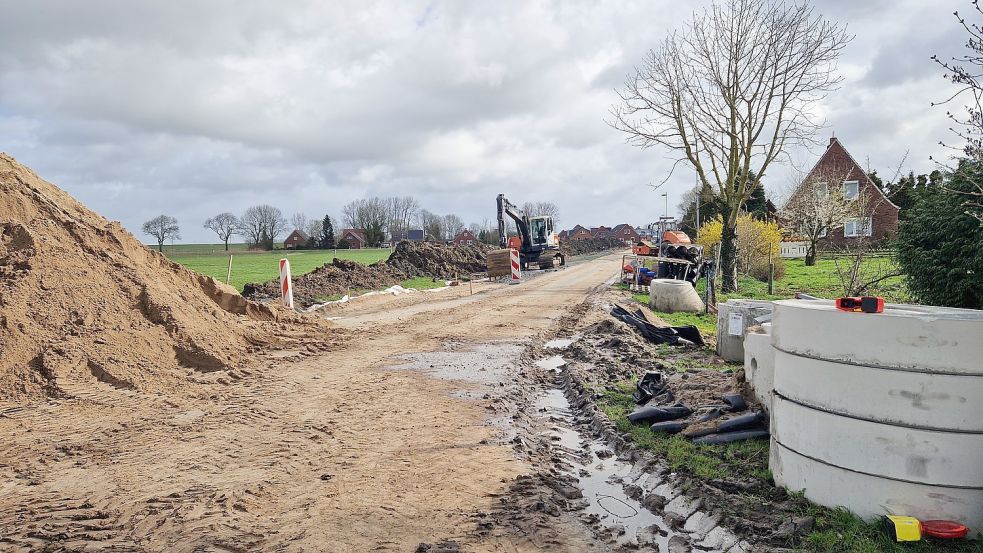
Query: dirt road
(381,444)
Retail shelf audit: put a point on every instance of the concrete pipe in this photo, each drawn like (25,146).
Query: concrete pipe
(733,319)
(880,413)
(671,295)
(930,339)
(759,364)
(916,399)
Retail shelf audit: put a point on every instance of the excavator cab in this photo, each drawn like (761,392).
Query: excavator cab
(541,231)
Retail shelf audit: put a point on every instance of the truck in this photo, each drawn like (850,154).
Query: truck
(538,244)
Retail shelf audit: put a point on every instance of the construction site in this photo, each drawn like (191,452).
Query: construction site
(755,370)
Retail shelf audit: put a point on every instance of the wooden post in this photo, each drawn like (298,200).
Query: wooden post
(771,271)
(471,285)
(228,277)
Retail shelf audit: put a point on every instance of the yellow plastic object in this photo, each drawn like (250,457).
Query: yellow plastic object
(904,528)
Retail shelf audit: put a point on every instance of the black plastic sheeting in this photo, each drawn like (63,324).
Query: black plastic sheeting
(673,335)
(732,437)
(668,427)
(652,386)
(658,414)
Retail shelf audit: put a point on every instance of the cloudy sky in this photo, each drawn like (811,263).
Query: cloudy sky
(193,108)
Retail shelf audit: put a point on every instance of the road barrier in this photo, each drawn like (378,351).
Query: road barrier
(516,270)
(286,287)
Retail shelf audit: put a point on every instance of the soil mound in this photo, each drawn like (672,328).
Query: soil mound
(438,260)
(82,302)
(336,278)
(592,245)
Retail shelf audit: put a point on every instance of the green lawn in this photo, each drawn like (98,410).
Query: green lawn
(261,266)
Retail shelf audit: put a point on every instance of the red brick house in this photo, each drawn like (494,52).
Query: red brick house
(600,232)
(579,233)
(355,238)
(626,233)
(563,235)
(881,220)
(297,239)
(465,238)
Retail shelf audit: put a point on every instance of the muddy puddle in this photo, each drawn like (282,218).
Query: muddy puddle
(602,477)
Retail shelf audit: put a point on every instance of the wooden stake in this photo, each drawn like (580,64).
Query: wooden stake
(229,276)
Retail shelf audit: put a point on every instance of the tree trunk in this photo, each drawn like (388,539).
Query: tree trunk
(728,257)
(226,244)
(160,246)
(811,255)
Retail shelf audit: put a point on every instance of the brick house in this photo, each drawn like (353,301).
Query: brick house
(563,235)
(626,233)
(297,239)
(465,238)
(881,222)
(355,238)
(600,232)
(579,233)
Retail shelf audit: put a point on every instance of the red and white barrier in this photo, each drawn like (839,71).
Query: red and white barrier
(286,288)
(516,269)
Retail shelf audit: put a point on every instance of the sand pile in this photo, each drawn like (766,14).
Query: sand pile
(592,245)
(334,279)
(82,301)
(438,260)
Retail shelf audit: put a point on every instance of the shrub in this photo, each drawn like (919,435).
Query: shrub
(754,238)
(343,244)
(940,245)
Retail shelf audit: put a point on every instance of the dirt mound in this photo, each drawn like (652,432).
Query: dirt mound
(438,260)
(336,278)
(580,247)
(82,301)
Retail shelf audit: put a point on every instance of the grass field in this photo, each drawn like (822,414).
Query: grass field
(820,280)
(212,260)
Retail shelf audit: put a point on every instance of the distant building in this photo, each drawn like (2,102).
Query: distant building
(579,233)
(851,179)
(563,235)
(297,239)
(464,238)
(413,235)
(355,238)
(600,232)
(626,233)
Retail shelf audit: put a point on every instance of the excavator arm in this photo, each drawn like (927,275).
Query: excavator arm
(506,207)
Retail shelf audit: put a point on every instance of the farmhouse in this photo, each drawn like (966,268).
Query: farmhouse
(600,232)
(879,217)
(465,238)
(355,238)
(579,233)
(626,233)
(297,239)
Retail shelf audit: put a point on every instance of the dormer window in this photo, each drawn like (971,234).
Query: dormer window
(851,189)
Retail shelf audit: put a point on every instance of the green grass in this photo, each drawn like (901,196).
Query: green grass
(835,529)
(199,249)
(748,459)
(820,280)
(262,266)
(423,283)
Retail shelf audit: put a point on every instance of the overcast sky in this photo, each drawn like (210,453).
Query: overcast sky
(193,108)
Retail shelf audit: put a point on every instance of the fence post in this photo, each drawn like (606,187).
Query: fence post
(771,270)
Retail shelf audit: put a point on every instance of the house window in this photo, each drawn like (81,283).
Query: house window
(853,228)
(470,242)
(851,189)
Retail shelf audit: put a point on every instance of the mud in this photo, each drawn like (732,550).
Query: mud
(438,260)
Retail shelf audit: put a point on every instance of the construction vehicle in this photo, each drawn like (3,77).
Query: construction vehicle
(538,244)
(677,256)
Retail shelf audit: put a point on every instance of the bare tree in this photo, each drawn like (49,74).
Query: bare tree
(162,228)
(966,72)
(261,224)
(452,226)
(314,229)
(402,211)
(535,209)
(299,221)
(432,225)
(224,225)
(817,207)
(366,213)
(729,93)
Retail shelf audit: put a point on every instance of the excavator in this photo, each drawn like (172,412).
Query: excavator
(538,244)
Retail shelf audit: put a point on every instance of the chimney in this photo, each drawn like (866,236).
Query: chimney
(832,140)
